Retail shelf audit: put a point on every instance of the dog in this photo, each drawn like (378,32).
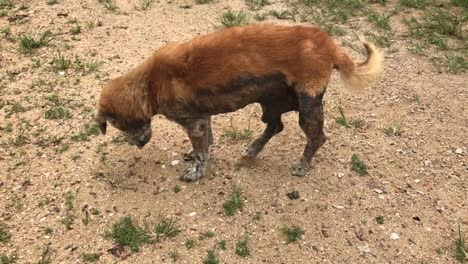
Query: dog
(284,68)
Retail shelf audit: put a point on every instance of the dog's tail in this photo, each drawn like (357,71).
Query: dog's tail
(357,76)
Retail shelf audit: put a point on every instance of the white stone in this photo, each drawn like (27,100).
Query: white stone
(394,236)
(193,214)
(459,151)
(175,162)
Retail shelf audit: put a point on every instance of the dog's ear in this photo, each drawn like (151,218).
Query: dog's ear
(102,123)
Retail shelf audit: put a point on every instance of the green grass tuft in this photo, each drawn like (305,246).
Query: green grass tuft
(190,243)
(211,258)
(358,165)
(90,257)
(417,4)
(5,235)
(380,220)
(5,259)
(242,248)
(28,43)
(235,203)
(167,227)
(292,234)
(231,18)
(255,5)
(127,233)
(348,123)
(461,250)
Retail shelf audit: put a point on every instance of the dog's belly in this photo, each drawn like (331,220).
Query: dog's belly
(271,90)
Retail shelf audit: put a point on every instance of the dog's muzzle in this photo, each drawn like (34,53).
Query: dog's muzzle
(141,140)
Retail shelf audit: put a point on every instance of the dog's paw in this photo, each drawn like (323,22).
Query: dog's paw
(299,169)
(192,175)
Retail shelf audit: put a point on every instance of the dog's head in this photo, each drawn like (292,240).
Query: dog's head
(125,108)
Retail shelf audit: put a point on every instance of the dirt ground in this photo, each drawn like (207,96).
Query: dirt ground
(417,179)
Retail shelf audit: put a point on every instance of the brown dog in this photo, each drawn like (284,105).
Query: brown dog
(284,68)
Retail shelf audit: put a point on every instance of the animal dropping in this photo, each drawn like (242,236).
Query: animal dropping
(283,68)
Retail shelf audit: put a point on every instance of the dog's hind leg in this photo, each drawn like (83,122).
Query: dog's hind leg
(311,121)
(199,132)
(274,126)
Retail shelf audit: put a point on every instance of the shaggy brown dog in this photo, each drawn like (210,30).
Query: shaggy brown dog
(284,68)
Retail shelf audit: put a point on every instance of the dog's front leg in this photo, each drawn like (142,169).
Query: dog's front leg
(199,132)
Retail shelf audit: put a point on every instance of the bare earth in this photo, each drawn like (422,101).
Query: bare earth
(417,180)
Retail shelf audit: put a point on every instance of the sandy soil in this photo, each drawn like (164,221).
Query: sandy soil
(417,181)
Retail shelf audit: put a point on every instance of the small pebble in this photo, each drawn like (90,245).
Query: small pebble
(394,236)
(293,195)
(340,175)
(193,214)
(175,162)
(459,151)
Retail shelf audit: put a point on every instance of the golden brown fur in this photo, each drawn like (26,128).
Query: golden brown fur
(306,55)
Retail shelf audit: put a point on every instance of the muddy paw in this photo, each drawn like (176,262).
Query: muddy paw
(299,169)
(250,154)
(192,175)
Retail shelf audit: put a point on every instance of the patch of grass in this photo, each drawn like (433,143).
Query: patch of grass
(6,4)
(235,203)
(177,189)
(456,64)
(48,231)
(28,43)
(60,63)
(45,258)
(202,2)
(393,130)
(234,134)
(90,130)
(385,39)
(461,250)
(190,243)
(5,259)
(255,5)
(292,234)
(108,5)
(211,258)
(417,4)
(6,31)
(5,235)
(75,30)
(52,2)
(174,255)
(127,233)
(69,217)
(20,139)
(282,14)
(231,18)
(16,108)
(348,123)
(90,257)
(166,227)
(380,220)
(207,234)
(242,248)
(260,16)
(58,112)
(222,244)
(257,216)
(358,165)
(444,22)
(95,211)
(144,5)
(380,20)
(460,3)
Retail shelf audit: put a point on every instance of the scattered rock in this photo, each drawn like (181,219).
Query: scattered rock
(193,214)
(294,195)
(459,151)
(119,252)
(364,248)
(340,175)
(427,163)
(338,206)
(378,191)
(175,162)
(394,236)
